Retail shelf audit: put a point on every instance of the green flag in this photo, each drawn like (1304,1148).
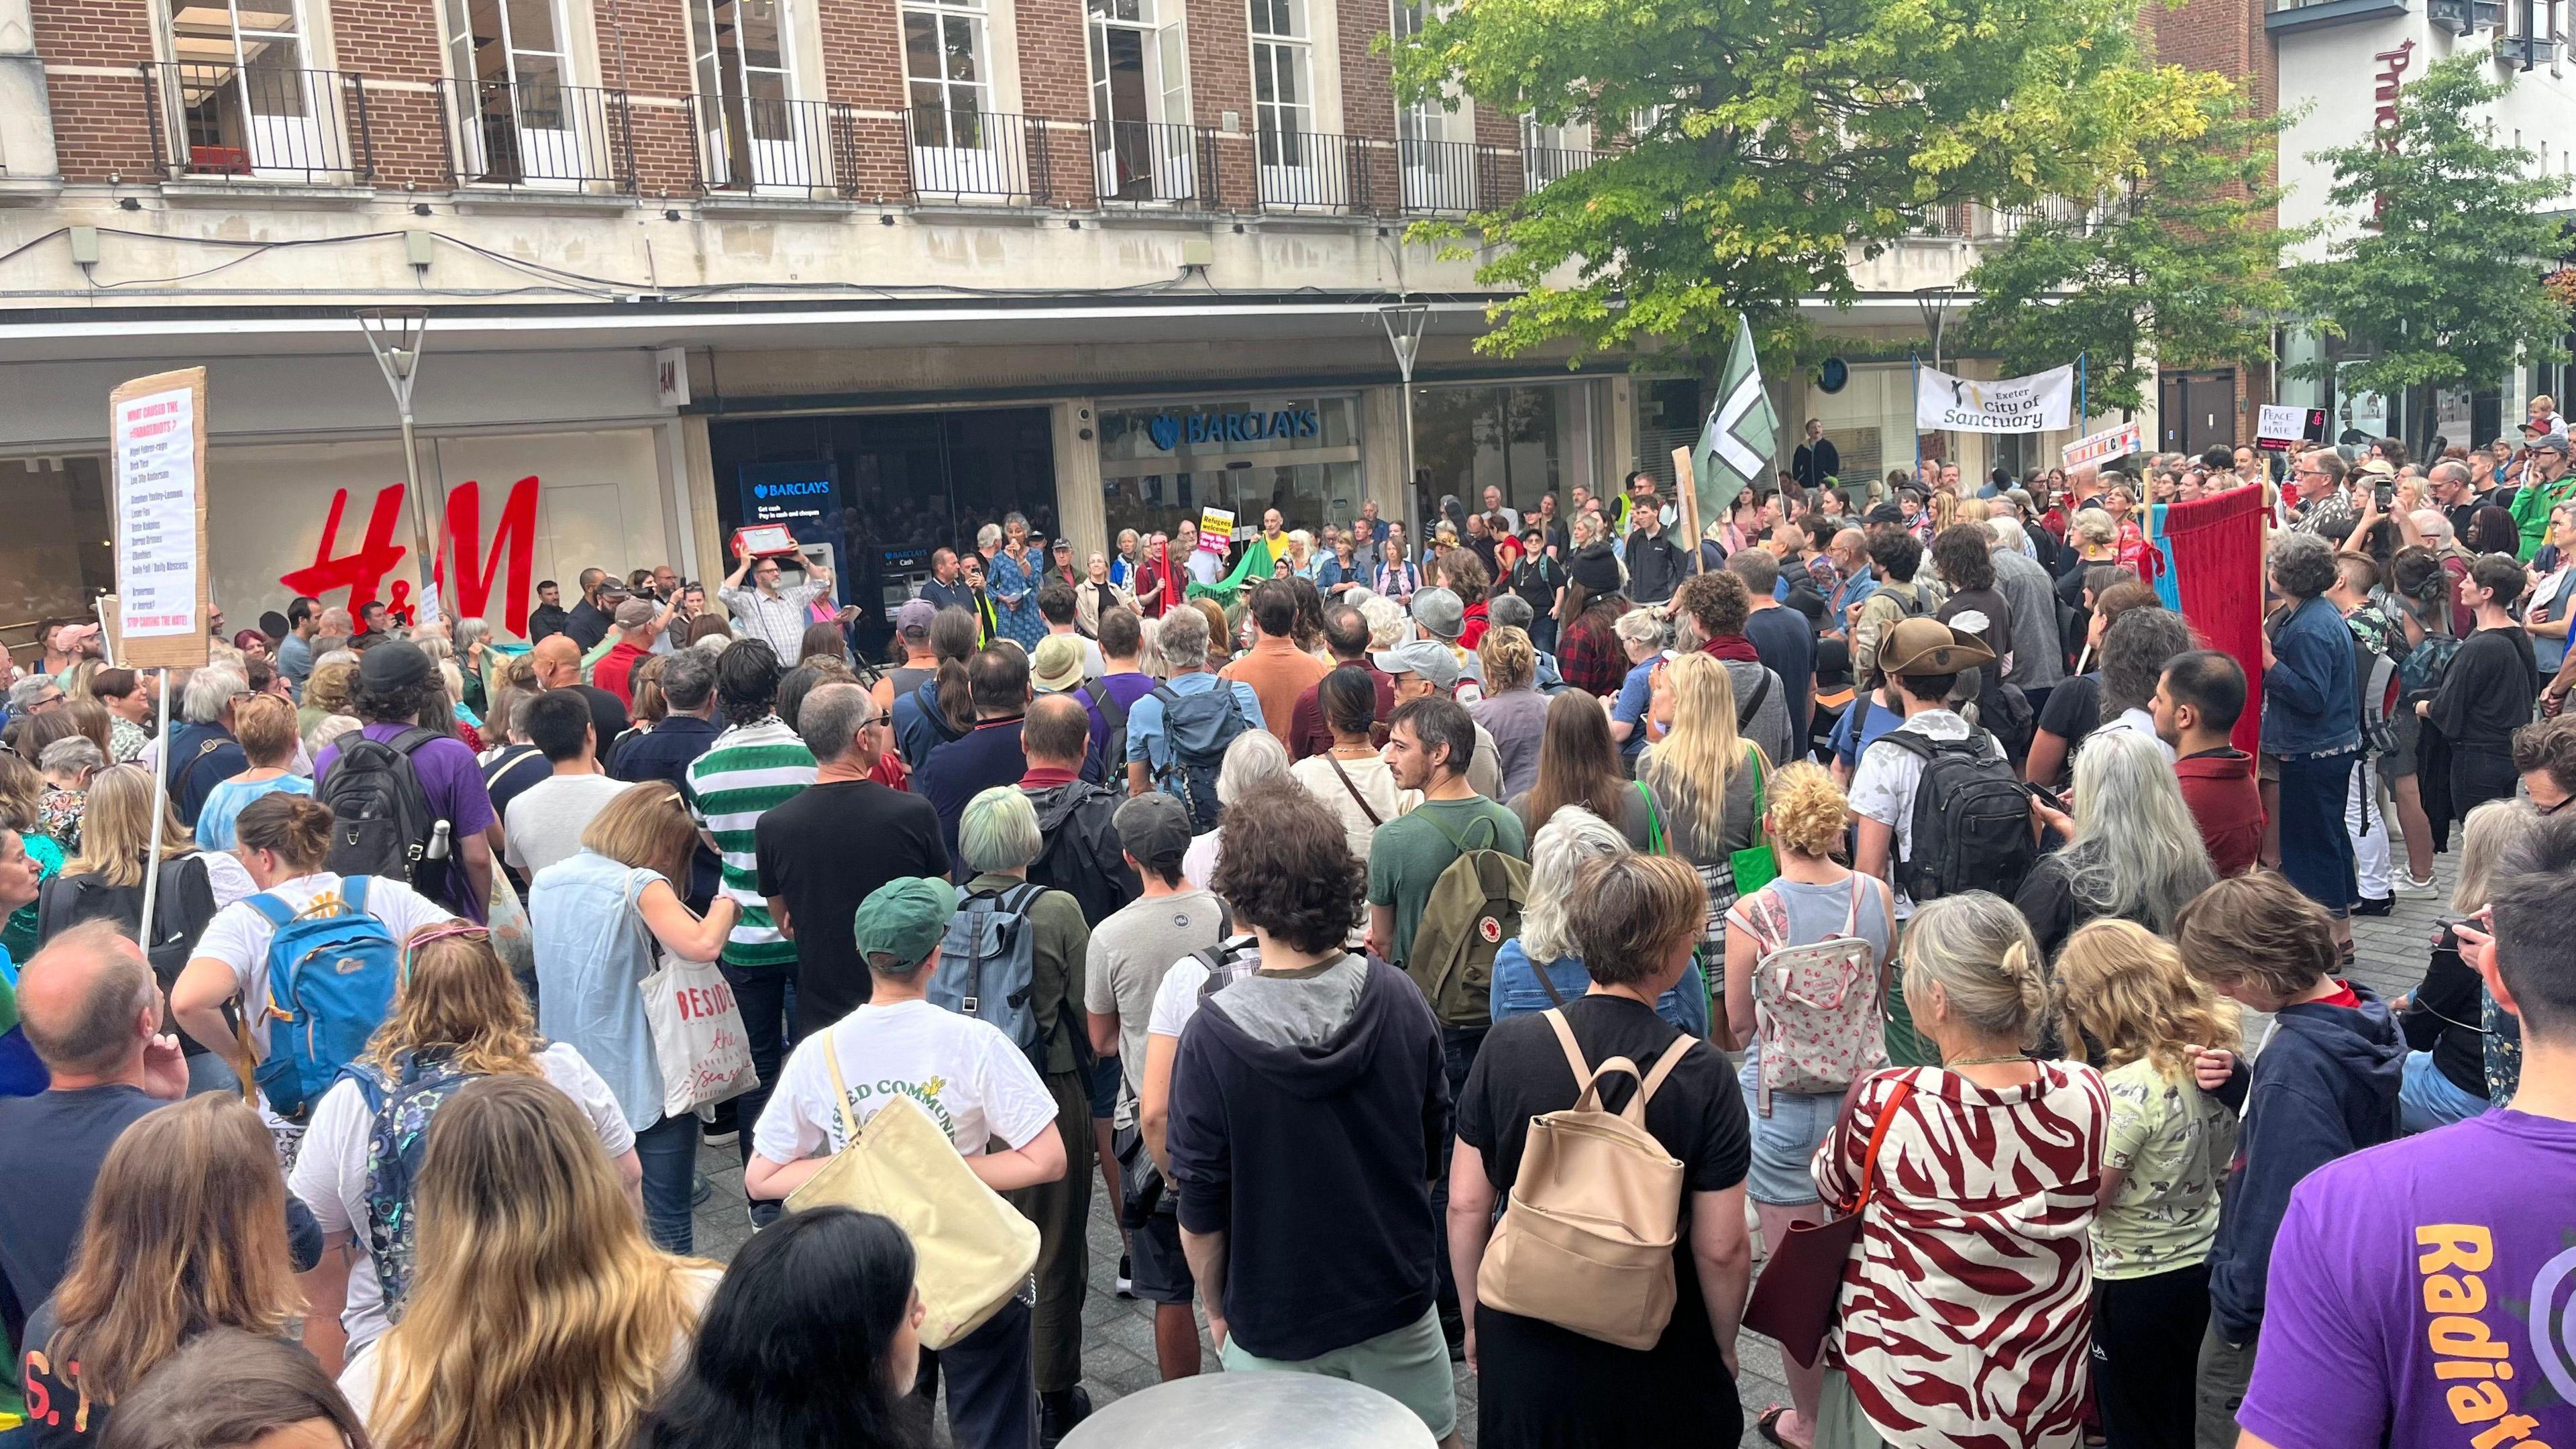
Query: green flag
(1736,446)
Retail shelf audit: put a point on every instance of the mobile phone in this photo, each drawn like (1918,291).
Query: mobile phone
(2049,798)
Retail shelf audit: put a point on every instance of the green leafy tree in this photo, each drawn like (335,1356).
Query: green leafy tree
(1749,148)
(2447,287)
(2177,265)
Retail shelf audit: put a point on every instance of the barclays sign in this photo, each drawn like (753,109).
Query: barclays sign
(1220,431)
(789,490)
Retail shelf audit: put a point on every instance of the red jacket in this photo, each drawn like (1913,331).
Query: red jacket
(2227,804)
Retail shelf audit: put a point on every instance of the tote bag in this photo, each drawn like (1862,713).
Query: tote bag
(698,1037)
(1757,865)
(1799,1295)
(972,1250)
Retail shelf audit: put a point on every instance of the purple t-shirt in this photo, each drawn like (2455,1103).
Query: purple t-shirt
(2421,1294)
(454,784)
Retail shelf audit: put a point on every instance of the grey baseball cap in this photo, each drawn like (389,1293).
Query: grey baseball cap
(1439,613)
(1429,658)
(1153,827)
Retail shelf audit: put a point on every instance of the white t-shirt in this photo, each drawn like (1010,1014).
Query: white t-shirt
(1177,999)
(1374,779)
(2131,721)
(1204,565)
(697,1285)
(239,935)
(331,1170)
(1882,788)
(545,822)
(1199,862)
(975,1084)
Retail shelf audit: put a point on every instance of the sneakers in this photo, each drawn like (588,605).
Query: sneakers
(2374,906)
(2408,885)
(1126,1277)
(720,1139)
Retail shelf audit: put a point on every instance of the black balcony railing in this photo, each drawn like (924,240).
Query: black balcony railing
(1543,164)
(978,156)
(1439,176)
(258,122)
(1144,162)
(540,136)
(1320,171)
(753,146)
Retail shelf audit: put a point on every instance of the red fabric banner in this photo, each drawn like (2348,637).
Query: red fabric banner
(2217,547)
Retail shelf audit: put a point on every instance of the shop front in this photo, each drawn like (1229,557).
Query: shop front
(1163,461)
(1525,439)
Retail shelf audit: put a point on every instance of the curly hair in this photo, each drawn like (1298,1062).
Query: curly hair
(1466,576)
(1809,814)
(2302,564)
(1717,602)
(2125,987)
(747,675)
(1960,555)
(1510,660)
(1285,865)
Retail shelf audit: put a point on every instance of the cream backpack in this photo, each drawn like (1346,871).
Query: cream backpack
(1587,1242)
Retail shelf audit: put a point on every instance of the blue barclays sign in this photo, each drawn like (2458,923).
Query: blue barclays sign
(789,490)
(1231,429)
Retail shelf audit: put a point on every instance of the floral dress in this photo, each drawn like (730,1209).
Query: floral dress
(1018,621)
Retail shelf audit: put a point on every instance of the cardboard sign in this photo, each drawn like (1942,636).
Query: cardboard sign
(157,445)
(1216,530)
(2095,448)
(2280,429)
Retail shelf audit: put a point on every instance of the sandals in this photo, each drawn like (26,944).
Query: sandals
(1768,1426)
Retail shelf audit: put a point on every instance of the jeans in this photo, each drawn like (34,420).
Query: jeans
(211,1073)
(2316,850)
(668,1151)
(1458,1046)
(767,998)
(2426,1099)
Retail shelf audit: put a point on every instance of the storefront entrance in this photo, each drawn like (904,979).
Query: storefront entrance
(1163,462)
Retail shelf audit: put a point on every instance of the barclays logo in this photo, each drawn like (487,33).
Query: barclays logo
(1165,430)
(788,490)
(1221,430)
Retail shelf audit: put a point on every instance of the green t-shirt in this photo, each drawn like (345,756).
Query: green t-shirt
(1407,854)
(2175,1141)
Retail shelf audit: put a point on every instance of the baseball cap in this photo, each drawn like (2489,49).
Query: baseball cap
(1885,513)
(2550,443)
(1928,646)
(2021,499)
(1429,658)
(635,613)
(1153,827)
(1439,613)
(904,918)
(393,664)
(915,617)
(613,587)
(1057,665)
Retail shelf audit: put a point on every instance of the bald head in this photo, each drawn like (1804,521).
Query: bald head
(88,1003)
(557,660)
(1057,733)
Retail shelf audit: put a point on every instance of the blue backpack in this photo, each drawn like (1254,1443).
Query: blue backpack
(330,985)
(988,966)
(401,1106)
(1197,728)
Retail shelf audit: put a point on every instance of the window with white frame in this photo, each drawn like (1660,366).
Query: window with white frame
(1283,84)
(519,123)
(1140,99)
(247,103)
(1435,139)
(947,83)
(747,122)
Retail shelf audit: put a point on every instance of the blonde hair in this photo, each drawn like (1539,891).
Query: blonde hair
(646,826)
(183,1234)
(332,687)
(1809,813)
(1510,659)
(2125,986)
(265,726)
(1980,950)
(455,995)
(1694,764)
(539,1316)
(2483,837)
(1974,510)
(116,827)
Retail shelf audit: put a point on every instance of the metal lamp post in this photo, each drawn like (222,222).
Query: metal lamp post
(395,336)
(1403,322)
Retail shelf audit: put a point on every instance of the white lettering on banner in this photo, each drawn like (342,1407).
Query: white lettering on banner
(2109,443)
(156,514)
(2041,402)
(2276,421)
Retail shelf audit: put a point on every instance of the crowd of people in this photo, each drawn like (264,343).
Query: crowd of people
(1558,913)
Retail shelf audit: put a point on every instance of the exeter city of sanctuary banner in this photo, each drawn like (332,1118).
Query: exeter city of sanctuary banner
(2041,402)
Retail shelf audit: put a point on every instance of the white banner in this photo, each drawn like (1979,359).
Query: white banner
(157,552)
(2041,402)
(2098,447)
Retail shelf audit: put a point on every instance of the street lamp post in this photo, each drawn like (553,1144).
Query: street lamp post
(395,336)
(1403,321)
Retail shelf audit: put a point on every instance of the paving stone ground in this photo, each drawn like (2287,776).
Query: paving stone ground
(1118,1334)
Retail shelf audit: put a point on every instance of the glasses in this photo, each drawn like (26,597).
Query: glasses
(2563,802)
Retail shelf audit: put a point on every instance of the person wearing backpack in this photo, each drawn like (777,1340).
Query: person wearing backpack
(1177,734)
(1805,959)
(458,1016)
(314,950)
(1605,1300)
(392,784)
(1014,956)
(1895,556)
(1939,809)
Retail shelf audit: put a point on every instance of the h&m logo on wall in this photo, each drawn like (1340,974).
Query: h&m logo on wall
(1220,430)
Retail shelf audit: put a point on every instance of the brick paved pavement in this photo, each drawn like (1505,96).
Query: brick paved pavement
(1118,1334)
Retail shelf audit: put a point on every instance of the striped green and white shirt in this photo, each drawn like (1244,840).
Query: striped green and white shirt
(747,771)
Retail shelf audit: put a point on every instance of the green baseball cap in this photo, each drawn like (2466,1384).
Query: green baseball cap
(904,918)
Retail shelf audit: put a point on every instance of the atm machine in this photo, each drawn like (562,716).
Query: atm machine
(903,571)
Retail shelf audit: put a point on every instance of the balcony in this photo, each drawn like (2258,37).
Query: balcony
(1317,171)
(1541,165)
(257,122)
(978,157)
(1148,163)
(762,147)
(1439,176)
(535,135)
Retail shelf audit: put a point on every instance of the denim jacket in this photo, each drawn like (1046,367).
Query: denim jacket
(593,953)
(2311,705)
(1517,992)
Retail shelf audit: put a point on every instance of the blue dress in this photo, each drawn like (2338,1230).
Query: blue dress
(1019,621)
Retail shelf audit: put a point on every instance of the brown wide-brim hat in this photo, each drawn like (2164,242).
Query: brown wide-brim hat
(1928,646)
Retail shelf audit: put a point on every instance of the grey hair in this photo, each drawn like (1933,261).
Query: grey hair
(1256,758)
(2007,531)
(1570,837)
(335,656)
(2135,650)
(2492,829)
(1979,948)
(999,830)
(1184,640)
(2432,523)
(2094,526)
(2301,563)
(1509,611)
(327,730)
(989,535)
(1014,518)
(1387,621)
(1149,647)
(1640,626)
(2450,470)
(209,693)
(24,692)
(2136,853)
(831,717)
(471,630)
(688,679)
(70,755)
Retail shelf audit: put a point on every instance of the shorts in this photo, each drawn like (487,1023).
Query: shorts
(1156,1266)
(1409,1365)
(1785,1143)
(1103,1087)
(2405,728)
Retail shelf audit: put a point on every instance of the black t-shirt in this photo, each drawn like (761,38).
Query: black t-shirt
(822,853)
(510,773)
(2487,692)
(1997,634)
(2442,1017)
(2074,708)
(607,712)
(53,1143)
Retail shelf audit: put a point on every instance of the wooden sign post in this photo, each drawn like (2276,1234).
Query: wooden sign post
(1686,483)
(157,439)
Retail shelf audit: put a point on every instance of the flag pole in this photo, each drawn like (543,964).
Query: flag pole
(1916,427)
(2083,400)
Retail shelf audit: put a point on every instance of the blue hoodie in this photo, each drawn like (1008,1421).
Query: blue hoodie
(2324,1085)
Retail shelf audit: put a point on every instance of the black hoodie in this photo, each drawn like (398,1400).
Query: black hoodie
(1315,1160)
(2324,1085)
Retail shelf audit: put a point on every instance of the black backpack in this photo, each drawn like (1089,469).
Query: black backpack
(181,907)
(1113,752)
(381,822)
(1971,826)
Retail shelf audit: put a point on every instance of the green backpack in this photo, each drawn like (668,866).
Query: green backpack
(1475,906)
